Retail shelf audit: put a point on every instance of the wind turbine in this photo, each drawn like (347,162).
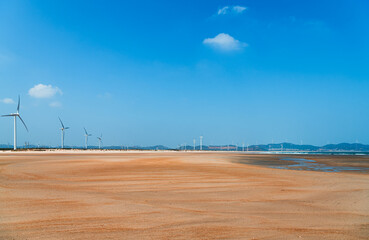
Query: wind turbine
(62,129)
(86,137)
(15,115)
(201,143)
(100,140)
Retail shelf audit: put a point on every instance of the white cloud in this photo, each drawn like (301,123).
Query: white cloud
(223,10)
(238,9)
(44,91)
(55,104)
(224,42)
(7,101)
(231,10)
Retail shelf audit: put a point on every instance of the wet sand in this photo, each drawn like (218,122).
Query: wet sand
(312,162)
(177,195)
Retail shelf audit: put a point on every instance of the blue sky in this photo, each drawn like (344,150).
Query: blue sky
(165,72)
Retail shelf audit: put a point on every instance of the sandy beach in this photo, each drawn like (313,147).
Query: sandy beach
(178,195)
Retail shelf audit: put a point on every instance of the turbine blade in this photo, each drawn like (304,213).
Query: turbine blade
(66,128)
(8,115)
(23,122)
(61,122)
(18,103)
(85,131)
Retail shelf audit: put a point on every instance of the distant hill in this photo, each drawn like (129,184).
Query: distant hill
(346,147)
(260,147)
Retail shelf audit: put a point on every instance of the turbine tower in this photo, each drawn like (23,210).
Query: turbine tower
(201,143)
(194,144)
(86,137)
(62,129)
(15,115)
(100,140)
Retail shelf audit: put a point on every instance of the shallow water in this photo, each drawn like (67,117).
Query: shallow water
(311,165)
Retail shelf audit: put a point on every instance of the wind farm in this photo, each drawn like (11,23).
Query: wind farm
(223,188)
(188,120)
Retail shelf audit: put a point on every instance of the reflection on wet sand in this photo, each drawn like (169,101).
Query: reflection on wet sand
(311,165)
(322,163)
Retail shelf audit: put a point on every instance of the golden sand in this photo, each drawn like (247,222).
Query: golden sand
(174,195)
